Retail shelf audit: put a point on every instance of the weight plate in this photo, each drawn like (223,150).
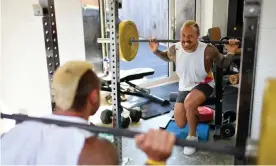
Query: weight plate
(127,49)
(227,130)
(231,115)
(106,116)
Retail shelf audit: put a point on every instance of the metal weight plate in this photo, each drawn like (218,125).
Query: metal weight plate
(231,115)
(234,79)
(128,31)
(227,130)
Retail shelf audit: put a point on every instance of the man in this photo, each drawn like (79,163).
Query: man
(76,91)
(194,61)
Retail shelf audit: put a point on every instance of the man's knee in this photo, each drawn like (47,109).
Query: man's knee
(180,115)
(190,108)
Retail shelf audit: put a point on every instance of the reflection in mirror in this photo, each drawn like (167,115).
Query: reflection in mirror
(151,19)
(92,31)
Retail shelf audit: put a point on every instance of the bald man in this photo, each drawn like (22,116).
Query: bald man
(76,90)
(194,61)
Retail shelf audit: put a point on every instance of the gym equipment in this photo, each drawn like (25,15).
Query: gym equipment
(132,115)
(129,39)
(227,130)
(226,127)
(206,114)
(252,9)
(125,119)
(106,116)
(157,106)
(181,133)
(251,20)
(126,76)
(108,98)
(128,30)
(215,147)
(135,114)
(229,117)
(234,79)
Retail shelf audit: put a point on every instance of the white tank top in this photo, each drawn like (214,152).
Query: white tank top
(190,67)
(33,143)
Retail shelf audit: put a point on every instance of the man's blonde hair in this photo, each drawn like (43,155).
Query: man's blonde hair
(191,23)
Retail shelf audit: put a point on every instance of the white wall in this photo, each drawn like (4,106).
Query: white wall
(266,60)
(24,78)
(70,30)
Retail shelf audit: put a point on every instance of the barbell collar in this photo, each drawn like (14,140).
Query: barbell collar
(209,146)
(103,40)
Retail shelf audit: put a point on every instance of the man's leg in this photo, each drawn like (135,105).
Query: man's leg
(179,110)
(193,100)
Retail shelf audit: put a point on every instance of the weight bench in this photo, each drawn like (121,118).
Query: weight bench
(126,76)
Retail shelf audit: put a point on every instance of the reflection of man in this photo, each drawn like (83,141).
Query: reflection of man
(194,61)
(77,95)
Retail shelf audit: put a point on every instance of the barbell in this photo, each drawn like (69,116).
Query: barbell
(129,40)
(210,146)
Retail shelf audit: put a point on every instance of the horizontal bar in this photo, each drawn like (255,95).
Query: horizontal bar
(210,146)
(158,40)
(107,40)
(175,41)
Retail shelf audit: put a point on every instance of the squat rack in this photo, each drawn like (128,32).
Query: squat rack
(248,64)
(46,9)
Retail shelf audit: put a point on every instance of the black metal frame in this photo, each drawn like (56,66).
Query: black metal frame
(234,24)
(50,39)
(252,9)
(218,98)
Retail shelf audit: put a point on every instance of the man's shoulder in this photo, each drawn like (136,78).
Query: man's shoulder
(210,49)
(173,49)
(95,151)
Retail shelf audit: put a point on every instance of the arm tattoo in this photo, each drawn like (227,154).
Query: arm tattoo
(168,55)
(222,61)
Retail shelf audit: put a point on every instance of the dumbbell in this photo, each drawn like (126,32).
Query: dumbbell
(106,118)
(108,98)
(135,114)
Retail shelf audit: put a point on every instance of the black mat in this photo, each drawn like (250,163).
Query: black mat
(151,109)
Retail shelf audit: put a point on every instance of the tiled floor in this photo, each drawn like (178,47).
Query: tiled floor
(178,158)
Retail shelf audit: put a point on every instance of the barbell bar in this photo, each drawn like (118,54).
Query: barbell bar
(129,40)
(107,40)
(210,146)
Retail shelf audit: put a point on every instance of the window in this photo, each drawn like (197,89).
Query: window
(151,19)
